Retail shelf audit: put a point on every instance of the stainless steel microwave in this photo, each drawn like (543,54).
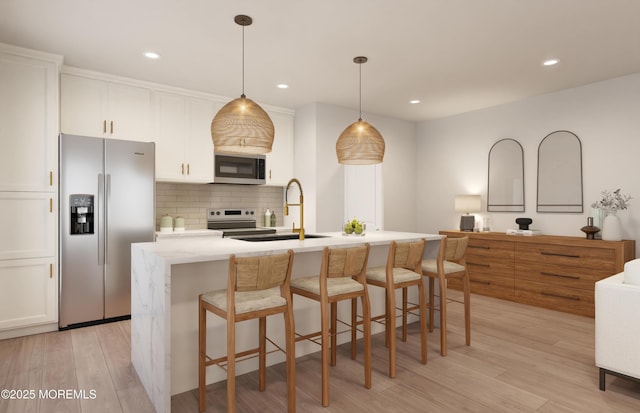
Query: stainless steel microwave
(239,169)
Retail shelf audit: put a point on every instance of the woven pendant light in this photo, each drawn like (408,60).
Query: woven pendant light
(360,143)
(242,126)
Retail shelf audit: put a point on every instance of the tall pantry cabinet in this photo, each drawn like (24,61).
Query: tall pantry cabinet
(28,190)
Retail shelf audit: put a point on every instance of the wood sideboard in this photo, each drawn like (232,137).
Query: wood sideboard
(555,272)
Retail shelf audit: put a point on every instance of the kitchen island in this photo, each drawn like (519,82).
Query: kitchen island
(167,277)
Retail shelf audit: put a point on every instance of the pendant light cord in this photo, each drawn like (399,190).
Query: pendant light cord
(243,95)
(360,91)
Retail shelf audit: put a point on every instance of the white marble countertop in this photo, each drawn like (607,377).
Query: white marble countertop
(183,250)
(188,233)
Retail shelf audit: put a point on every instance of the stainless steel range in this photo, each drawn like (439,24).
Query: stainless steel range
(235,222)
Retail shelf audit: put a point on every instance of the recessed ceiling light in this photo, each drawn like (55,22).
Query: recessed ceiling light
(283,86)
(414,101)
(550,62)
(151,55)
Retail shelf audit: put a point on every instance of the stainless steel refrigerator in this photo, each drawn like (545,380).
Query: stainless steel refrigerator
(107,202)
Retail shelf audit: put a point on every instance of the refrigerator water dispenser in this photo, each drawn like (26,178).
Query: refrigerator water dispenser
(81,210)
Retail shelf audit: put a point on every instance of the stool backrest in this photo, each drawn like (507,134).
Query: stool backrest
(345,262)
(406,255)
(261,272)
(456,248)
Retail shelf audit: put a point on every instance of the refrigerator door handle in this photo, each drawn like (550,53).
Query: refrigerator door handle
(99,212)
(106,218)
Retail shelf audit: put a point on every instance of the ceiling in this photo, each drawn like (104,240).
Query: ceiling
(453,55)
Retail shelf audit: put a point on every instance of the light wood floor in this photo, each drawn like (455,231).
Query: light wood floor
(521,359)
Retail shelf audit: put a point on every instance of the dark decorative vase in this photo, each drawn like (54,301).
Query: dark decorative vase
(590,230)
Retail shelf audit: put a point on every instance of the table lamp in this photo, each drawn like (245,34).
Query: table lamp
(467,204)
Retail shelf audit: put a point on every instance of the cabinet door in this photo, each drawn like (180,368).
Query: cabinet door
(100,108)
(199,146)
(28,221)
(169,131)
(29,292)
(129,115)
(28,124)
(83,106)
(280,159)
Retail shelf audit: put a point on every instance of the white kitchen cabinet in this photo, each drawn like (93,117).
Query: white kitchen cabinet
(28,221)
(182,131)
(29,293)
(28,120)
(103,108)
(29,85)
(279,165)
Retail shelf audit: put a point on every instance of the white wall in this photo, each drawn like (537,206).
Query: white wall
(317,127)
(453,152)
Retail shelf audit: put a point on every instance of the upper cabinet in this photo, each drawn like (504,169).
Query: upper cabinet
(279,165)
(104,108)
(28,120)
(182,132)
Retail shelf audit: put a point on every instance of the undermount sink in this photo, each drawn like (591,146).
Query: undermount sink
(276,237)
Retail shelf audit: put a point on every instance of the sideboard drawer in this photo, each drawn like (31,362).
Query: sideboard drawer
(487,284)
(574,301)
(576,256)
(558,274)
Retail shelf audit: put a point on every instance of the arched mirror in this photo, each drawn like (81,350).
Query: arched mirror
(505,190)
(560,173)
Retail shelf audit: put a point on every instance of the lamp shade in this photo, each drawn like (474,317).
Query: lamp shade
(242,127)
(467,203)
(360,144)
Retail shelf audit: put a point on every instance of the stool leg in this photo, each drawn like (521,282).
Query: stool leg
(423,320)
(391,319)
(354,325)
(386,318)
(443,314)
(291,360)
(231,366)
(366,322)
(404,314)
(262,353)
(202,350)
(467,309)
(432,297)
(334,329)
(324,309)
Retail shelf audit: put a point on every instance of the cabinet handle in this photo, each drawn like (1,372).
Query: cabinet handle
(182,168)
(51,205)
(50,270)
(482,247)
(188,169)
(50,178)
(568,297)
(269,174)
(111,127)
(104,126)
(550,274)
(479,265)
(481,282)
(557,254)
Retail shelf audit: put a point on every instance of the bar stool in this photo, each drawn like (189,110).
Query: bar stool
(342,277)
(450,263)
(403,270)
(252,293)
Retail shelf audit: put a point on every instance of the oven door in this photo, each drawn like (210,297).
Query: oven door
(238,169)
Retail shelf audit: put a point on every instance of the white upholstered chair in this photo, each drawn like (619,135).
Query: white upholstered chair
(617,328)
